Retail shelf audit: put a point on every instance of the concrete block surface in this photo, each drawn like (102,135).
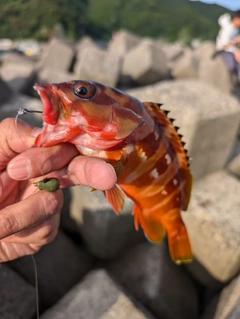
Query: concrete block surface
(96,297)
(164,288)
(17,296)
(213,223)
(105,233)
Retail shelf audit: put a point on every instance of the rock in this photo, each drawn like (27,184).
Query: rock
(122,42)
(105,233)
(234,166)
(202,276)
(186,66)
(201,112)
(145,63)
(214,71)
(205,51)
(60,265)
(227,306)
(98,65)
(19,73)
(84,42)
(13,288)
(54,76)
(58,56)
(173,50)
(147,272)
(5,92)
(213,222)
(97,296)
(210,309)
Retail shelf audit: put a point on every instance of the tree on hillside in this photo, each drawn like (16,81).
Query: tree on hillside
(38,18)
(167,19)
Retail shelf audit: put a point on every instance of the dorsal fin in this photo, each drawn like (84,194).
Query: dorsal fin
(177,144)
(162,118)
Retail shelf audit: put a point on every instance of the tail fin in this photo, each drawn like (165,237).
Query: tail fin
(179,245)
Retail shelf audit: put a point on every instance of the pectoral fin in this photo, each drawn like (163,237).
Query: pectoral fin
(115,197)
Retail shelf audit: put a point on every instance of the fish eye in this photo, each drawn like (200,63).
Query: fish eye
(84,90)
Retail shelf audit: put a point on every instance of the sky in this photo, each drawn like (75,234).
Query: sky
(230,4)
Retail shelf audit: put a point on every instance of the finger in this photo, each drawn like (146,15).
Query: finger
(10,251)
(91,172)
(29,212)
(14,139)
(40,234)
(40,161)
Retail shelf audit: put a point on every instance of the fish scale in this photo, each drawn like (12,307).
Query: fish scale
(138,140)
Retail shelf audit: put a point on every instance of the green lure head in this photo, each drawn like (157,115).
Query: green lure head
(50,184)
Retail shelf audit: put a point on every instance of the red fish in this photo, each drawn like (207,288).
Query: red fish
(141,143)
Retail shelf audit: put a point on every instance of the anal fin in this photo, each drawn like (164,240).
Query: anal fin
(152,226)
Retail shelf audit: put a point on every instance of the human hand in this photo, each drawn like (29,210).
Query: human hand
(29,218)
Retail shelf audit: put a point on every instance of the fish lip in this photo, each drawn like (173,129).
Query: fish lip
(42,92)
(48,95)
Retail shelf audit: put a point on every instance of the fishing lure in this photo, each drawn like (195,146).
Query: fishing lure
(48,184)
(138,140)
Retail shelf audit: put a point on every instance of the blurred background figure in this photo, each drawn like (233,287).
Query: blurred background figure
(227,42)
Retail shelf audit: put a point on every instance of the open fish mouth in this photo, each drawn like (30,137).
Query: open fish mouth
(50,100)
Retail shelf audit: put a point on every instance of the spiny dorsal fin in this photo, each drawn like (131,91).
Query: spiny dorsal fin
(175,140)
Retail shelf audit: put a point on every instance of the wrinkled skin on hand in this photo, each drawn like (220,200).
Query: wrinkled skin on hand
(29,217)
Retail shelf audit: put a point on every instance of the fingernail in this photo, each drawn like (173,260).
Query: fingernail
(19,168)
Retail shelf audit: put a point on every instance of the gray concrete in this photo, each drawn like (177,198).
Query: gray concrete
(6,93)
(226,305)
(203,277)
(164,288)
(18,72)
(205,51)
(58,55)
(173,50)
(214,72)
(60,265)
(145,63)
(17,296)
(48,75)
(186,66)
(213,223)
(96,297)
(105,233)
(123,42)
(98,65)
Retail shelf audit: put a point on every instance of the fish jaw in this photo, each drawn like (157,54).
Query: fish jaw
(55,134)
(50,100)
(55,130)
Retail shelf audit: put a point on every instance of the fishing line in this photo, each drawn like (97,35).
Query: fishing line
(36,285)
(23,111)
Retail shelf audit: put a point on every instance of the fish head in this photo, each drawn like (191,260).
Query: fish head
(83,112)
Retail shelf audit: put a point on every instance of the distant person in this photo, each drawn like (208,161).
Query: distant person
(227,40)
